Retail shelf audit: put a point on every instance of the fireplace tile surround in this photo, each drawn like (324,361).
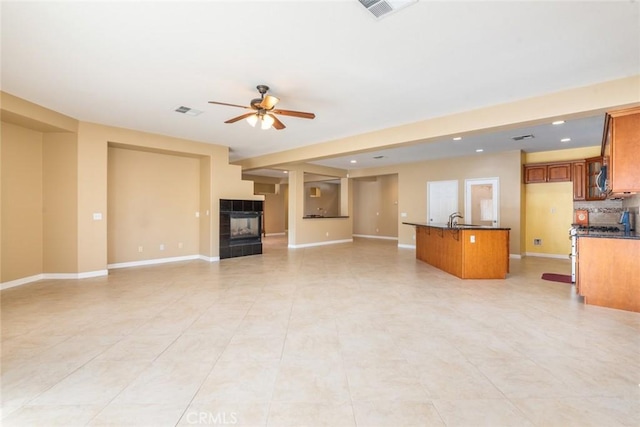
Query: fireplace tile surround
(230,246)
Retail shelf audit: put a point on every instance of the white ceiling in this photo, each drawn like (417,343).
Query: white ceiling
(129,64)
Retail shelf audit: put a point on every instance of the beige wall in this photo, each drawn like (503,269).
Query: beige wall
(375,206)
(60,198)
(54,164)
(22,202)
(412,188)
(152,200)
(327,204)
(218,180)
(314,231)
(275,201)
(274,213)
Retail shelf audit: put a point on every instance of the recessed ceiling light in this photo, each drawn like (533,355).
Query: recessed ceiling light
(457,138)
(479,150)
(558,122)
(353,161)
(565,140)
(285,171)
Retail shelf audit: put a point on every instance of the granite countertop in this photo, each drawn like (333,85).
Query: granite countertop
(459,227)
(632,235)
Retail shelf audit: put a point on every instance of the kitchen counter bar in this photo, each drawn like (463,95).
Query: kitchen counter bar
(468,252)
(461,227)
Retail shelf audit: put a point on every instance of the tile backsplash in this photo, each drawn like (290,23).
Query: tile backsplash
(607,212)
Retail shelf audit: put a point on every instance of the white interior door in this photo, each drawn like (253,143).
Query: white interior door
(481,202)
(442,201)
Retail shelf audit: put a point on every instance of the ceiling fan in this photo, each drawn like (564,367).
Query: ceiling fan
(264,111)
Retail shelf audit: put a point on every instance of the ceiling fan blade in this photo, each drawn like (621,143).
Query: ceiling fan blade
(230,105)
(268,102)
(235,119)
(299,114)
(277,124)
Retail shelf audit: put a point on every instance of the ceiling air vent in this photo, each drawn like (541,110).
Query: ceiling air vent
(186,110)
(381,8)
(522,137)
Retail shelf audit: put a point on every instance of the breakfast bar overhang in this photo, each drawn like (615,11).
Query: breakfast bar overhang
(468,252)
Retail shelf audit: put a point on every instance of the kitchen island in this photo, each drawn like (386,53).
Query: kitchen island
(468,252)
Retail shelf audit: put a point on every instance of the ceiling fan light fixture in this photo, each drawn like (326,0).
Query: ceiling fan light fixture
(252,120)
(267,121)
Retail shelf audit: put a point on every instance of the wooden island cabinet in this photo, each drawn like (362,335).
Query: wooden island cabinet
(466,252)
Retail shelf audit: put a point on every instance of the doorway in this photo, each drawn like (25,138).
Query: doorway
(481,201)
(442,201)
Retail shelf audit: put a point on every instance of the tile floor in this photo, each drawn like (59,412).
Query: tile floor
(355,334)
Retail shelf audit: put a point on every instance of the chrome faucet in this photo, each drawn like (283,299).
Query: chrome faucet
(452,219)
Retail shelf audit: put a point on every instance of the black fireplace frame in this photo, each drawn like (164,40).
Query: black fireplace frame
(237,247)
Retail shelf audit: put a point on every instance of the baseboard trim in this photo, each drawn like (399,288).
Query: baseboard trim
(557,256)
(515,256)
(22,281)
(209,258)
(155,261)
(368,236)
(53,276)
(405,246)
(331,242)
(85,275)
(276,234)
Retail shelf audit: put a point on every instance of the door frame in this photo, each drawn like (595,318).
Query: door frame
(495,182)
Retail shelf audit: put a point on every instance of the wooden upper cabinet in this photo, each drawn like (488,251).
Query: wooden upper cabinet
(579,175)
(547,172)
(592,172)
(560,172)
(535,173)
(621,150)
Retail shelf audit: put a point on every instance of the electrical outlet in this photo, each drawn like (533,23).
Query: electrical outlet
(162,246)
(180,245)
(537,242)
(139,248)
(327,234)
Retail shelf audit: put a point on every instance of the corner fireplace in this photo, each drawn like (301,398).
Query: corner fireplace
(240,228)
